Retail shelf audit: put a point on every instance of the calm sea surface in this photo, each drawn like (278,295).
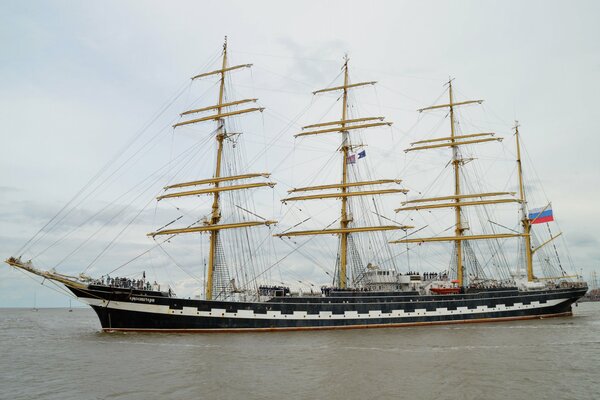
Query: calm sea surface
(56,354)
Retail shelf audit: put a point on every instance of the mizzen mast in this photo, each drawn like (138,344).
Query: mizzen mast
(457,202)
(344,125)
(211,225)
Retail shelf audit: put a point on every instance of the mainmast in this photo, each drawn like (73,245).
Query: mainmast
(344,126)
(344,220)
(457,200)
(212,225)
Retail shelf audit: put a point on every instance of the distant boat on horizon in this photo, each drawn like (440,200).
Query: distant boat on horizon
(34,302)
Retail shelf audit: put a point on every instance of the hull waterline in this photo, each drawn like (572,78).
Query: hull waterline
(137,311)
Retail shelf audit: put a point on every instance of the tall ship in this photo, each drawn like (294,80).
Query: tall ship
(368,289)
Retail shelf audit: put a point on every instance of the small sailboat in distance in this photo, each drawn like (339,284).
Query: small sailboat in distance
(34,301)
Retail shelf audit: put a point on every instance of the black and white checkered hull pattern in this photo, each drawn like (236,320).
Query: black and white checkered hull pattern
(120,310)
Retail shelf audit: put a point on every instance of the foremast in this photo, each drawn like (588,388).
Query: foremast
(344,126)
(458,229)
(216,211)
(212,225)
(456,201)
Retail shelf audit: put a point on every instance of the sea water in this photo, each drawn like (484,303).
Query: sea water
(57,354)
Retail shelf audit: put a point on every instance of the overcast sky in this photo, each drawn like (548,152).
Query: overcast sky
(80,78)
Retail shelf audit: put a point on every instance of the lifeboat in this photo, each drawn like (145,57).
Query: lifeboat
(445,290)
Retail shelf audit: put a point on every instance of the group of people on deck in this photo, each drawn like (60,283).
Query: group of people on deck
(128,283)
(430,276)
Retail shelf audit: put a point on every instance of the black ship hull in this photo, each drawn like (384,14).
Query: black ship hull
(135,310)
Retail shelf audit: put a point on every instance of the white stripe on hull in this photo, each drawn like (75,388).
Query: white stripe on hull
(303,315)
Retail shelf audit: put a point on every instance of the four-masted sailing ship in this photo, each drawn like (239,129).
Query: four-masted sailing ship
(363,293)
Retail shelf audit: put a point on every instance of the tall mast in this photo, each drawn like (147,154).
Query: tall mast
(524,218)
(344,220)
(456,201)
(344,126)
(216,212)
(458,230)
(212,226)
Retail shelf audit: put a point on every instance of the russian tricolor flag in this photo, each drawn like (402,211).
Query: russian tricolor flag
(541,215)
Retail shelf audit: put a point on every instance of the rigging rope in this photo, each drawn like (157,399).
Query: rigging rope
(53,221)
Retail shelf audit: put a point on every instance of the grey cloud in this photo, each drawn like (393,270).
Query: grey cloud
(304,58)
